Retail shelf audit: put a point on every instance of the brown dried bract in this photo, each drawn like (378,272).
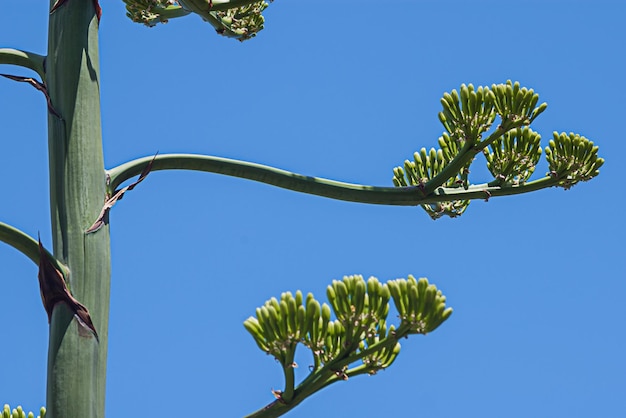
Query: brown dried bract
(104,213)
(96,6)
(53,290)
(39,86)
(278,394)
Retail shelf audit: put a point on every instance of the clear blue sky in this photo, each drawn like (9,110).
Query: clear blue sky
(345,90)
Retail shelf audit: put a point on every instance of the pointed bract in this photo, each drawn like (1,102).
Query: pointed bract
(54,290)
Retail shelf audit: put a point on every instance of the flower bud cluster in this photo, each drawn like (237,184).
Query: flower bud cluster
(150,12)
(241,23)
(428,164)
(512,150)
(512,157)
(19,413)
(572,158)
(360,330)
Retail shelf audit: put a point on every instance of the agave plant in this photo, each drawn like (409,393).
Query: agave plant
(75,277)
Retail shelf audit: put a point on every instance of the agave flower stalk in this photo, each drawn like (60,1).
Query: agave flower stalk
(76,360)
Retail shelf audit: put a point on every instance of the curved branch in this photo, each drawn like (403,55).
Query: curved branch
(169,12)
(27,245)
(399,196)
(24,59)
(19,240)
(265,174)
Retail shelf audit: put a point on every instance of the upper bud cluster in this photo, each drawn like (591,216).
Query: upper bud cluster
(465,118)
(241,23)
(152,12)
(516,105)
(244,22)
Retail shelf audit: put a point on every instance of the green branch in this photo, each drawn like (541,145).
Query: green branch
(27,245)
(466,155)
(21,241)
(24,59)
(399,196)
(221,5)
(169,12)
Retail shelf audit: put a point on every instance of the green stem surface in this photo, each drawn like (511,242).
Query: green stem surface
(231,4)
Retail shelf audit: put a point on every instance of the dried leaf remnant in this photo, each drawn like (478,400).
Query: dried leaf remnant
(60,3)
(39,86)
(54,290)
(104,213)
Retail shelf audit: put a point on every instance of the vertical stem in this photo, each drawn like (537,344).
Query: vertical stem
(76,361)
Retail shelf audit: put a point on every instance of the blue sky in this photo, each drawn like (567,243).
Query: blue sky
(345,90)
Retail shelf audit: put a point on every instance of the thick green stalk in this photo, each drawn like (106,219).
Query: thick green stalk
(76,360)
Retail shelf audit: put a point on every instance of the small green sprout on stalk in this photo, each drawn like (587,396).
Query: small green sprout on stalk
(359,341)
(19,413)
